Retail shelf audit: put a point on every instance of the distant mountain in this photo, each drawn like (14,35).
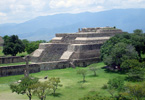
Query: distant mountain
(45,27)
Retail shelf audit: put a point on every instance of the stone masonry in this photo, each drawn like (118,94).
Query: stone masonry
(74,49)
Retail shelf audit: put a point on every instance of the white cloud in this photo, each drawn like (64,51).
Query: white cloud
(2,14)
(22,10)
(73,3)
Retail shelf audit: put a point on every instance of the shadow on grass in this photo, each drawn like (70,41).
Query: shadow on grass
(93,76)
(108,69)
(56,94)
(82,81)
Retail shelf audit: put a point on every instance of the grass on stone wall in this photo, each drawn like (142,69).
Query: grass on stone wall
(11,64)
(72,89)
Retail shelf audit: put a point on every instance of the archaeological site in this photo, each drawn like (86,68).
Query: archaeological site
(73,49)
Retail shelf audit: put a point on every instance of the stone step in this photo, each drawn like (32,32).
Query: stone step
(66,55)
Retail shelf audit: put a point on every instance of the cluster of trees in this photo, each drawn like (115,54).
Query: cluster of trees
(123,51)
(32,86)
(119,91)
(13,45)
(31,46)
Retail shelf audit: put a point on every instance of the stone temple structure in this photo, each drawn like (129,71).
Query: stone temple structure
(73,49)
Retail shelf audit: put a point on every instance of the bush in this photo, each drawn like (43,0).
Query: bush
(136,74)
(116,83)
(129,64)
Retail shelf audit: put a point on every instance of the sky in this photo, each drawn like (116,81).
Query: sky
(18,11)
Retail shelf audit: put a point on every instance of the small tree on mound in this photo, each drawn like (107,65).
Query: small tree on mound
(54,82)
(41,89)
(82,72)
(24,87)
(93,69)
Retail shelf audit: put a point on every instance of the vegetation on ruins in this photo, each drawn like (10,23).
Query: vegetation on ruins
(24,86)
(13,45)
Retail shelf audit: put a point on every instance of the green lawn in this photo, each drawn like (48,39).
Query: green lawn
(10,64)
(71,89)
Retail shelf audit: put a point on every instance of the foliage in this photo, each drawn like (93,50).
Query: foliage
(120,52)
(106,48)
(13,45)
(24,87)
(96,96)
(129,64)
(116,83)
(41,89)
(31,46)
(136,74)
(138,41)
(136,92)
(54,82)
(122,47)
(82,72)
(93,69)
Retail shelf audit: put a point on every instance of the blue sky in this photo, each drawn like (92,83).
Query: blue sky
(17,11)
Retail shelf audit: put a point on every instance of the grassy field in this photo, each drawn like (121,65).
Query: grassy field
(71,89)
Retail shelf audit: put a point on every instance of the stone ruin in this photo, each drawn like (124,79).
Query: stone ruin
(73,49)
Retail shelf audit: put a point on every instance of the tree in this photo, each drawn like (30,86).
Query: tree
(138,41)
(129,64)
(32,46)
(41,89)
(106,48)
(13,45)
(82,72)
(54,82)
(119,53)
(93,69)
(24,87)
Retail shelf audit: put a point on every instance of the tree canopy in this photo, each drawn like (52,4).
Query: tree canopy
(122,47)
(13,45)
(31,46)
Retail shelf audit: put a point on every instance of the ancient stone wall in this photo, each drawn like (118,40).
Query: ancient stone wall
(85,62)
(13,59)
(17,70)
(54,65)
